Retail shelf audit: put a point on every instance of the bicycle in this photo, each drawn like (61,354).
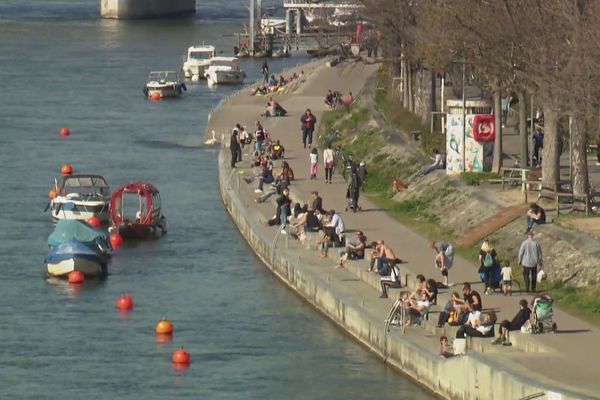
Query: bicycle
(515,175)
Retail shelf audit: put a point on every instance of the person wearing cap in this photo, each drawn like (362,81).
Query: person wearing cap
(530,258)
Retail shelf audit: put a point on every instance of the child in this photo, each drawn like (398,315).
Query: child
(446,351)
(507,277)
(314,159)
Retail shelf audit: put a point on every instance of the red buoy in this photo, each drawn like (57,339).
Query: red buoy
(116,240)
(164,326)
(64,132)
(66,169)
(125,303)
(181,356)
(94,221)
(52,194)
(155,96)
(76,277)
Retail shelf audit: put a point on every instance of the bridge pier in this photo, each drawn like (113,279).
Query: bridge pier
(141,9)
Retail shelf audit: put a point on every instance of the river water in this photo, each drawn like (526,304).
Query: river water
(249,336)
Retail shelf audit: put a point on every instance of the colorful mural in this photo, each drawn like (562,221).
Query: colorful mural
(456,163)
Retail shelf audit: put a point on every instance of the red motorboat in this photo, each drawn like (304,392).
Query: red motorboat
(135,211)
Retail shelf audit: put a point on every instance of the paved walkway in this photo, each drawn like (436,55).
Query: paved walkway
(571,359)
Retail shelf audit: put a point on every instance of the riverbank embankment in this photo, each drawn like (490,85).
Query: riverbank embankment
(348,295)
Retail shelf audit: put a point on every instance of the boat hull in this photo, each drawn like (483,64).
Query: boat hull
(194,70)
(80,210)
(87,266)
(141,231)
(166,91)
(225,77)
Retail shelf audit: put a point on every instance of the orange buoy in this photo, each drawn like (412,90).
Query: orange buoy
(76,277)
(52,194)
(66,169)
(125,302)
(164,326)
(64,132)
(116,240)
(181,356)
(155,96)
(94,221)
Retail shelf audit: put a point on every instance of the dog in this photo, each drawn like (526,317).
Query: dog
(398,186)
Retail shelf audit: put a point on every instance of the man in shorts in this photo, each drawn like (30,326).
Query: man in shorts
(507,277)
(444,258)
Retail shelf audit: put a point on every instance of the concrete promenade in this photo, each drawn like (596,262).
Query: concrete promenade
(562,365)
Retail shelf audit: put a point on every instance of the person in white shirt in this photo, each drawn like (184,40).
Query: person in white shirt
(438,163)
(479,325)
(328,160)
(507,277)
(336,222)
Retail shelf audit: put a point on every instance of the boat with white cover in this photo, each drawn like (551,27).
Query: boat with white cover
(224,70)
(81,197)
(197,60)
(165,83)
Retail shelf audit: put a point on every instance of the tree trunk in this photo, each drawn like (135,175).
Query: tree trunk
(523,127)
(550,159)
(411,95)
(405,75)
(579,153)
(497,161)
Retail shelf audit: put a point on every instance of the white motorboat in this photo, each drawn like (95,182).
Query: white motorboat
(198,59)
(165,83)
(81,197)
(224,70)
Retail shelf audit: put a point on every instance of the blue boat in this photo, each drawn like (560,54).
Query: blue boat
(79,231)
(72,256)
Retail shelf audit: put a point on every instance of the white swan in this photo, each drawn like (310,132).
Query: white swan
(213,141)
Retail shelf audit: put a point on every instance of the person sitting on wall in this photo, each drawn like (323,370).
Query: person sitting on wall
(354,250)
(446,350)
(276,151)
(478,325)
(418,307)
(536,215)
(438,163)
(517,322)
(330,239)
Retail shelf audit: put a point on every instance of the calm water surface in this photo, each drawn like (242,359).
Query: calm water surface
(249,336)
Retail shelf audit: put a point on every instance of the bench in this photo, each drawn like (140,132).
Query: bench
(513,176)
(555,192)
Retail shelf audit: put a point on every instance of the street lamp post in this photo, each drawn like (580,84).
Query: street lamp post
(464,119)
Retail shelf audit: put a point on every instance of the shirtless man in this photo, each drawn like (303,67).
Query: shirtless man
(383,255)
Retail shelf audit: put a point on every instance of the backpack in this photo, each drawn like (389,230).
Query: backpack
(488,260)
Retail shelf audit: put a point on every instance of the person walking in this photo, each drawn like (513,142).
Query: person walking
(530,257)
(314,160)
(329,163)
(235,148)
(308,121)
(487,263)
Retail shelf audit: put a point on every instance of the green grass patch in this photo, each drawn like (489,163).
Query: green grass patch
(581,302)
(475,178)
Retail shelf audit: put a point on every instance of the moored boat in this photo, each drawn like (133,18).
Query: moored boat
(80,197)
(135,211)
(82,232)
(224,70)
(197,60)
(72,256)
(165,84)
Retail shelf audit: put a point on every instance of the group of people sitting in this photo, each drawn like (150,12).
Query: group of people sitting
(335,99)
(274,85)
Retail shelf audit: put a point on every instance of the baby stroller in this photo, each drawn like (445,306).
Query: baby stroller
(496,276)
(541,315)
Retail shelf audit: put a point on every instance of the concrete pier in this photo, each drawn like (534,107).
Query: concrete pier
(141,9)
